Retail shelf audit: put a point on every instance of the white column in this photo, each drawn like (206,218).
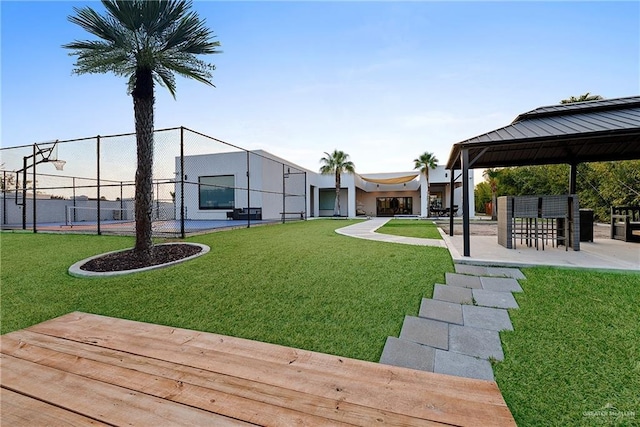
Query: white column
(424,210)
(351,201)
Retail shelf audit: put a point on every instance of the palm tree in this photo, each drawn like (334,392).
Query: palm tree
(146,42)
(492,177)
(582,98)
(336,163)
(424,163)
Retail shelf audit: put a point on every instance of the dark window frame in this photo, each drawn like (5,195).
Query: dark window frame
(200,185)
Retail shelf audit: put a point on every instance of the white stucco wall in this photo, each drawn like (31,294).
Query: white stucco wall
(266,183)
(304,191)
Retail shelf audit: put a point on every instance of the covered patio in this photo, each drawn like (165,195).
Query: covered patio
(604,130)
(603,253)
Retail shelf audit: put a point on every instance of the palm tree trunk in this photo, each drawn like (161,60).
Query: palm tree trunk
(494,206)
(428,201)
(336,206)
(143,102)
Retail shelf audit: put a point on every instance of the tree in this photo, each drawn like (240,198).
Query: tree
(600,184)
(147,42)
(424,163)
(582,98)
(492,177)
(336,163)
(482,195)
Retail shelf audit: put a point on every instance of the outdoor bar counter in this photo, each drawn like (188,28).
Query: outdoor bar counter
(538,221)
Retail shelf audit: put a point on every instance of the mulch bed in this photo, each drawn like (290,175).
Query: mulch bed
(128,260)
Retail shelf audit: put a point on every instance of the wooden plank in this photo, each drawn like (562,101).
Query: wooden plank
(471,389)
(425,400)
(17,410)
(100,401)
(229,396)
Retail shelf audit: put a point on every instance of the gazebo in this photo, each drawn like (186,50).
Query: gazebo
(592,131)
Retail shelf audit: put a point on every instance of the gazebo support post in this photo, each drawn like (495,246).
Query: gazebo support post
(451,200)
(573,177)
(464,160)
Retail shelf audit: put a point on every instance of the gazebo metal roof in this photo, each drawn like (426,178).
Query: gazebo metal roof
(567,133)
(602,130)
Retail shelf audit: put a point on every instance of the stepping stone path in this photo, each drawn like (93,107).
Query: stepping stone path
(457,332)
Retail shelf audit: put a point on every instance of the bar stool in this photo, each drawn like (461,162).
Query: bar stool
(555,214)
(525,220)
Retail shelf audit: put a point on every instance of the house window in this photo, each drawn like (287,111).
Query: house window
(216,192)
(390,206)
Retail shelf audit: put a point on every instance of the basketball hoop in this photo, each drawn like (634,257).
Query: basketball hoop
(59,164)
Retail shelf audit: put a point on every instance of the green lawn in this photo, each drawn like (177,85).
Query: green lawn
(575,349)
(574,353)
(411,228)
(297,284)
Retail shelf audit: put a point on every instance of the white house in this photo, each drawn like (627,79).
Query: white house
(216,184)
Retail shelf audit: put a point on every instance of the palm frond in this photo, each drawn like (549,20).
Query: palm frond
(161,36)
(166,79)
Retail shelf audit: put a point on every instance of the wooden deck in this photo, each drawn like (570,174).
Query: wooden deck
(84,369)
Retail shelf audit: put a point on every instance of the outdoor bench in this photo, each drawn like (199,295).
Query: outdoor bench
(245,213)
(625,223)
(294,214)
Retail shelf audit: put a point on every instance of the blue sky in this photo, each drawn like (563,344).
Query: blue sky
(382,81)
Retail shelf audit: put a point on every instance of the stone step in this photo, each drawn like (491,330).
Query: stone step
(454,294)
(463,280)
(461,365)
(408,354)
(441,310)
(479,270)
(495,299)
(500,284)
(425,331)
(481,343)
(494,319)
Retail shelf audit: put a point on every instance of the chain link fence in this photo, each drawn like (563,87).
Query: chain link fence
(200,183)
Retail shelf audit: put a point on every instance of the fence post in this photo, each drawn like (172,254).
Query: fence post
(284,200)
(248,192)
(24,192)
(182,234)
(74,199)
(34,189)
(98,179)
(4,197)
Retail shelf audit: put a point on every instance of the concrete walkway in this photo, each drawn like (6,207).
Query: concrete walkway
(366,230)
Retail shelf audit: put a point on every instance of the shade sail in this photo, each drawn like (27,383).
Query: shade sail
(396,180)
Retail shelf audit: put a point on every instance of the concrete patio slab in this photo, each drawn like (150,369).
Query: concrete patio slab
(441,310)
(494,298)
(407,354)
(601,254)
(425,331)
(461,365)
(475,342)
(500,284)
(463,280)
(495,319)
